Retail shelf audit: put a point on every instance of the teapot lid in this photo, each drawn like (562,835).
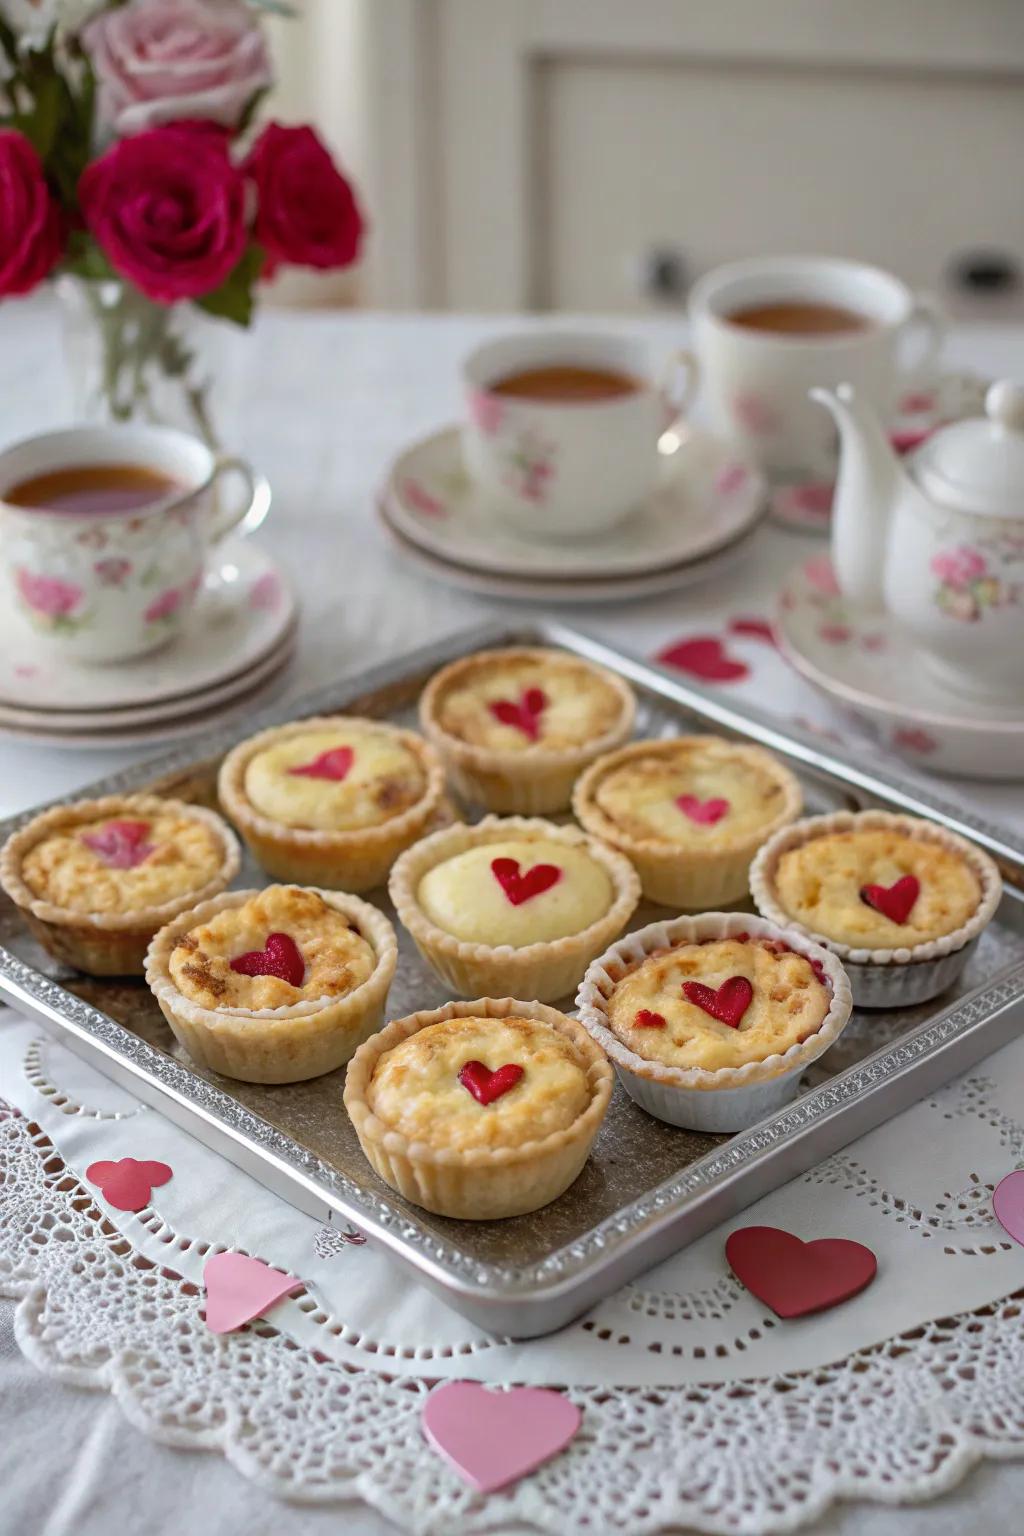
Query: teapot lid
(978,465)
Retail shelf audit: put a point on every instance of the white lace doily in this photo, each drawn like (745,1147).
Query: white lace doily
(323,1403)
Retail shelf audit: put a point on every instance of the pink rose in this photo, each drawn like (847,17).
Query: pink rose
(158,61)
(31,228)
(48,595)
(166,605)
(168,209)
(307,213)
(959,566)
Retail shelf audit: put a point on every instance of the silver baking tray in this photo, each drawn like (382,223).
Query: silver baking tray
(648,1188)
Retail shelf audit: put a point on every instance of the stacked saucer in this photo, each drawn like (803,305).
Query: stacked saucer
(708,502)
(233,656)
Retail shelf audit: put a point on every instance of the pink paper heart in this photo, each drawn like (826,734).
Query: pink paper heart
(127,1184)
(495,1438)
(239,1288)
(1008,1204)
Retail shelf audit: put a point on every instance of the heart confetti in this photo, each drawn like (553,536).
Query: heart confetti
(795,1278)
(727,1004)
(280,958)
(523,716)
(1008,1204)
(485,1085)
(239,1288)
(893,901)
(520,887)
(704,812)
(494,1438)
(333,764)
(121,844)
(704,656)
(128,1185)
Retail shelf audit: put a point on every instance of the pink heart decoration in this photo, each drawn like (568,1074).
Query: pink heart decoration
(121,844)
(704,812)
(793,1277)
(485,1085)
(281,958)
(127,1185)
(333,764)
(519,887)
(893,901)
(1008,1204)
(239,1288)
(525,714)
(704,656)
(727,1004)
(495,1438)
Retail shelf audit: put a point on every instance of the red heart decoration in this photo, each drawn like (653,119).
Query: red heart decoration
(524,715)
(647,1019)
(893,901)
(795,1278)
(520,887)
(127,1184)
(704,656)
(485,1085)
(281,958)
(728,1004)
(754,628)
(333,764)
(121,844)
(704,812)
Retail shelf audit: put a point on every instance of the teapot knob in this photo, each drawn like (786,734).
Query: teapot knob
(1004,405)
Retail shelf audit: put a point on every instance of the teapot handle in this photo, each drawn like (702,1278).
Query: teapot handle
(928,319)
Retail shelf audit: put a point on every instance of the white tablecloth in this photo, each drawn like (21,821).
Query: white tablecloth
(327,400)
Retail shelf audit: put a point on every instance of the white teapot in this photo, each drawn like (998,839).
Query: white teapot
(937,540)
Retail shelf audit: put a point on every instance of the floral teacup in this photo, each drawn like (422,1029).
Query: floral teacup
(106,586)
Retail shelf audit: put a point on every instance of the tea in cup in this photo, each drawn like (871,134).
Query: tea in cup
(563,428)
(104,533)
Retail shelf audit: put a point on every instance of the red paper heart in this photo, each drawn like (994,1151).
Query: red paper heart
(704,656)
(793,1277)
(127,1184)
(704,812)
(728,1004)
(333,764)
(523,716)
(485,1085)
(647,1019)
(520,887)
(280,958)
(893,901)
(121,844)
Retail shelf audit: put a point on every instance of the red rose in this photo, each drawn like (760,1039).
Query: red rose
(168,209)
(31,228)
(307,212)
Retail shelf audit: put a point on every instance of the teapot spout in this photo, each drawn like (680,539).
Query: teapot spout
(869,481)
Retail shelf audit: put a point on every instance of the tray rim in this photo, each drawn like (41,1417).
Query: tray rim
(452,1270)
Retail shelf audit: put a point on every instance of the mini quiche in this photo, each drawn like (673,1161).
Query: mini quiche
(479,1109)
(690,812)
(513,906)
(273,986)
(900,899)
(709,1021)
(332,800)
(516,727)
(95,880)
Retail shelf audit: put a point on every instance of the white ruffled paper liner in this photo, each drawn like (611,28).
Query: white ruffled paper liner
(884,978)
(276,1045)
(730,1098)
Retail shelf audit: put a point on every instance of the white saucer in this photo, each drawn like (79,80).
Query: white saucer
(553,589)
(709,496)
(241,617)
(865,663)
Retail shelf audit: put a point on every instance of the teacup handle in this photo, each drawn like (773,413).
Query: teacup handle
(252,510)
(678,387)
(927,316)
